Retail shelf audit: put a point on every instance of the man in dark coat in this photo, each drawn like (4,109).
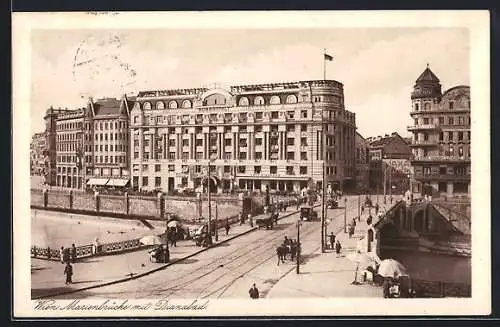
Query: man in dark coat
(332,240)
(73,253)
(254,292)
(227,226)
(68,271)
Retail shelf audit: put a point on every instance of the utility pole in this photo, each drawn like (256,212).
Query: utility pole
(323,212)
(298,247)
(359,206)
(209,229)
(385,181)
(345,215)
(216,221)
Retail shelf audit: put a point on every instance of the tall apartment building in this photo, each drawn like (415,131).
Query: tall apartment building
(69,144)
(362,163)
(106,142)
(50,143)
(253,136)
(37,154)
(441,136)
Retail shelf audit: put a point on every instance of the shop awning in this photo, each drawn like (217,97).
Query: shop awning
(97,181)
(117,182)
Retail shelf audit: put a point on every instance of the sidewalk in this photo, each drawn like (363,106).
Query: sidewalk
(325,274)
(47,277)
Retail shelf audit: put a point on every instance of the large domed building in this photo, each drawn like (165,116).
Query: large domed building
(441,137)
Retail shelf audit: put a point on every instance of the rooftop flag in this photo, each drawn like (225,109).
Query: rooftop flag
(328,57)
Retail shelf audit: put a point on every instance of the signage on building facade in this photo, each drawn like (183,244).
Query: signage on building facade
(402,165)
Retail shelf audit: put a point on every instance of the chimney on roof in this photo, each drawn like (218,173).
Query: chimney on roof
(386,135)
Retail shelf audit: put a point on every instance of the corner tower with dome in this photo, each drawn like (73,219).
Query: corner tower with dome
(440,137)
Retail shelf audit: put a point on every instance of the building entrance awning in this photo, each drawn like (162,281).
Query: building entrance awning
(97,181)
(117,182)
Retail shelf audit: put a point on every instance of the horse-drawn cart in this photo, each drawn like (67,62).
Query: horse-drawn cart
(267,222)
(307,213)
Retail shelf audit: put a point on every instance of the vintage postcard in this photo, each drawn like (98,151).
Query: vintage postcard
(190,164)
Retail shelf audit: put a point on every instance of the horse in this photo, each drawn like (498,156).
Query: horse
(281,252)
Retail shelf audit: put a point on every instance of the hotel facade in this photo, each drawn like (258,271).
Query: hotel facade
(284,136)
(441,140)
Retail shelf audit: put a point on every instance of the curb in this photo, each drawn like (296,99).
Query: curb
(155,269)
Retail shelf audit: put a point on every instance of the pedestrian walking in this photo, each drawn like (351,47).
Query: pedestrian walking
(354,222)
(242,218)
(332,240)
(227,226)
(369,220)
(68,271)
(73,253)
(362,209)
(254,292)
(351,231)
(96,246)
(391,199)
(338,247)
(376,208)
(250,220)
(61,254)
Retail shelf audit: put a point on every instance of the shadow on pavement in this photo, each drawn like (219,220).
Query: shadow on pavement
(87,281)
(326,271)
(305,259)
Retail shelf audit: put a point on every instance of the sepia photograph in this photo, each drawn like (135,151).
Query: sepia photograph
(251,163)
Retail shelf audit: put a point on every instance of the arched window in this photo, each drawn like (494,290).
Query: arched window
(147,106)
(427,107)
(172,105)
(275,100)
(243,101)
(416,106)
(259,101)
(186,104)
(291,99)
(160,105)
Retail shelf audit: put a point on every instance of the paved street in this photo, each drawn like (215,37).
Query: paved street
(229,270)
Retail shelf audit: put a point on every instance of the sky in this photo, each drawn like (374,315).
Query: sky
(378,67)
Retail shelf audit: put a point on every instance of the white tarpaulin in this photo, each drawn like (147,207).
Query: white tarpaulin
(97,181)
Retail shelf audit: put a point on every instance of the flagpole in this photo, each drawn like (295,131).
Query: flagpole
(324,65)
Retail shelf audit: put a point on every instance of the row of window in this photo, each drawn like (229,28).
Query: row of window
(66,147)
(67,158)
(242,129)
(273,155)
(448,151)
(60,137)
(227,142)
(106,136)
(107,159)
(427,106)
(228,117)
(108,125)
(68,170)
(459,120)
(118,147)
(450,136)
(69,126)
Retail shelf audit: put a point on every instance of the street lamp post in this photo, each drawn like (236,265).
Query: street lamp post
(216,222)
(298,247)
(345,215)
(209,229)
(359,206)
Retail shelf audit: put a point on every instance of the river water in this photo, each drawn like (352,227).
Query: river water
(57,229)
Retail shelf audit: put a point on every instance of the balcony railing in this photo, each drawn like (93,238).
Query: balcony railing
(424,143)
(441,158)
(423,127)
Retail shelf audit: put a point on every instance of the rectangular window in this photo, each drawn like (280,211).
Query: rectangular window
(290,141)
(144,167)
(303,156)
(461,120)
(303,170)
(258,141)
(426,121)
(199,142)
(157,181)
(199,155)
(460,136)
(243,155)
(185,142)
(241,169)
(171,142)
(257,169)
(450,120)
(258,115)
(441,136)
(303,141)
(144,181)
(303,113)
(185,155)
(171,167)
(136,155)
(258,155)
(450,136)
(157,168)
(227,142)
(273,170)
(290,156)
(171,155)
(106,147)
(289,170)
(258,129)
(274,114)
